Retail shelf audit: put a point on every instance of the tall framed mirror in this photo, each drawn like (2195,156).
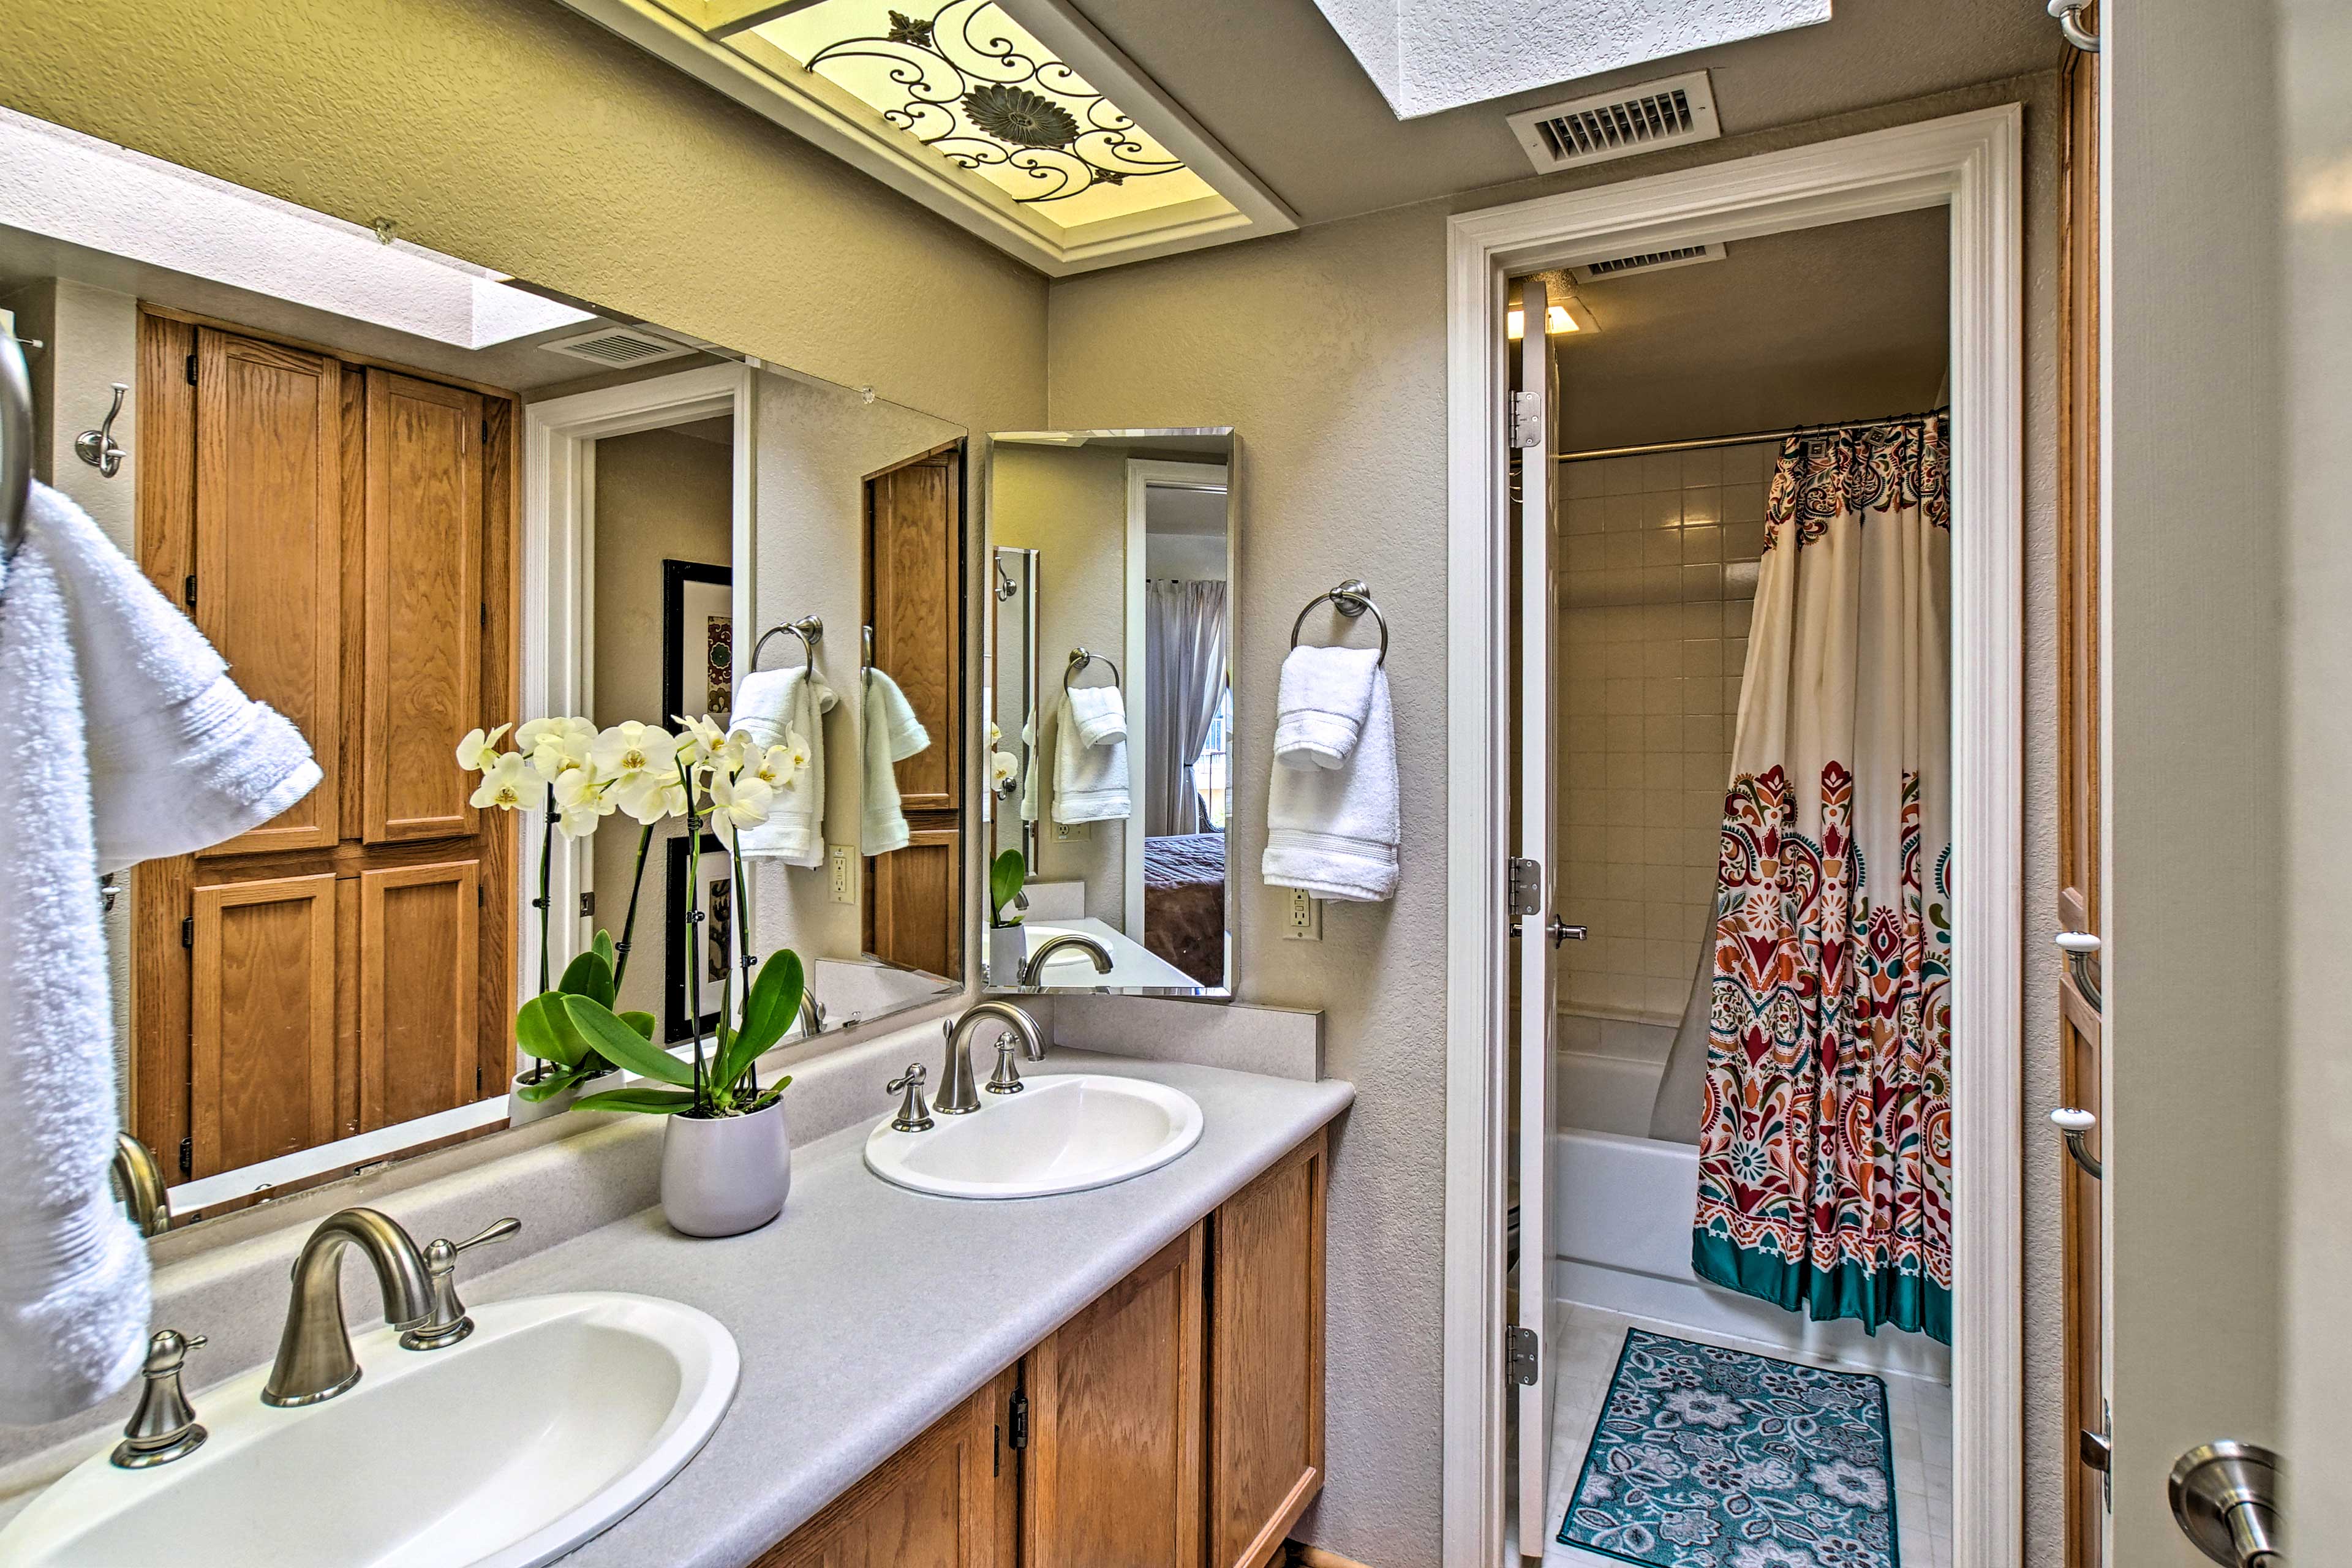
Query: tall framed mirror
(1111,748)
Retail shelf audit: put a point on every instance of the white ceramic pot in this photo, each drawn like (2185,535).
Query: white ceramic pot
(521,1113)
(724,1175)
(1008,949)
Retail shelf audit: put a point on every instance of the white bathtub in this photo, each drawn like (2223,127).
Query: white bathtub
(1621,1231)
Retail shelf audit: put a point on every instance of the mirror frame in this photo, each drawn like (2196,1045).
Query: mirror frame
(1076,437)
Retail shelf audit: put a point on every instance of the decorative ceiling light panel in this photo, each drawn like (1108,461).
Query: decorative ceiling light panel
(1031,128)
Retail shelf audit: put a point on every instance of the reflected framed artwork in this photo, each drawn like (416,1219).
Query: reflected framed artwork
(698,640)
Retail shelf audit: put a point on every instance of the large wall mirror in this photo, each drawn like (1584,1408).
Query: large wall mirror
(1111,749)
(408,498)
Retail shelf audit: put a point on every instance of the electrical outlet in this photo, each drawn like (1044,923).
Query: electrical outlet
(842,859)
(1302,916)
(1071,832)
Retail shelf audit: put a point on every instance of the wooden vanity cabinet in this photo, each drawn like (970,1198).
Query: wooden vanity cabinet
(1176,1421)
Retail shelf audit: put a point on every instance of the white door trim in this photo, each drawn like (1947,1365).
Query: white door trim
(1973,164)
(558,573)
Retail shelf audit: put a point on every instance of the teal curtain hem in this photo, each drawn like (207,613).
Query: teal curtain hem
(1875,1298)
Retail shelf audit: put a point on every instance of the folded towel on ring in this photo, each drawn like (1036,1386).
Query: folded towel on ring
(1100,712)
(1334,831)
(1325,695)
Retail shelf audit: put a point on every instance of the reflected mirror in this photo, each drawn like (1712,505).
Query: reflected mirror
(407,498)
(1111,749)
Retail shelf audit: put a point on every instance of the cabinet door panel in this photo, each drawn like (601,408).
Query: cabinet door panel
(269,549)
(1265,1360)
(916,897)
(262,1036)
(425,609)
(417,995)
(933,1504)
(1112,1476)
(914,555)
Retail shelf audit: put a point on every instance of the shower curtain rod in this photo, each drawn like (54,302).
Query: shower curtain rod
(1704,442)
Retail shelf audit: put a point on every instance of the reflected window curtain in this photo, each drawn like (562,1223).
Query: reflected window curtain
(1185,660)
(1825,1141)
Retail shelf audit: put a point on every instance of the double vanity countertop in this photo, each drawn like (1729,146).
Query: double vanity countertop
(866,1311)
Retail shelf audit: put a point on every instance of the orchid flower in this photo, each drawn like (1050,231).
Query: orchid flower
(649,796)
(479,749)
(1003,768)
(556,746)
(580,800)
(702,744)
(510,784)
(630,752)
(740,800)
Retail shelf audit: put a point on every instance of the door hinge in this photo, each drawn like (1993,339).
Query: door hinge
(192,369)
(1526,887)
(187,1156)
(1526,421)
(1017,1420)
(188,931)
(587,906)
(485,432)
(477,1080)
(188,591)
(1521,1354)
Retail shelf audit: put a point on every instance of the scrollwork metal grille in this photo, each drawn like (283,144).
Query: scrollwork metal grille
(987,102)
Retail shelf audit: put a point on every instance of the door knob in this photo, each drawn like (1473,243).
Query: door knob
(2225,1497)
(1563,931)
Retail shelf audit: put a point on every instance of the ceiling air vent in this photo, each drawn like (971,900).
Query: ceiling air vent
(616,347)
(1640,119)
(1647,262)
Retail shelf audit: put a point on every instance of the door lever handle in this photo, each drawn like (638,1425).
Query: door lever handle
(1560,931)
(2225,1499)
(2074,1126)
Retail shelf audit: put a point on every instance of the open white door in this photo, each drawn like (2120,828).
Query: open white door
(1531,1356)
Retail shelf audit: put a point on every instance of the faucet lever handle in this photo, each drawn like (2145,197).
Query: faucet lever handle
(450,1321)
(914,1116)
(163,1427)
(497,1230)
(1006,1079)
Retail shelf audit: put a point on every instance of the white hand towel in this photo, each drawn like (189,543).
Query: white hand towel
(893,734)
(1090,782)
(1100,712)
(1319,711)
(1030,772)
(180,759)
(73,1272)
(1333,831)
(771,704)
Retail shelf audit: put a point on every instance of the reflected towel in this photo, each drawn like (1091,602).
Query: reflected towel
(1030,772)
(1319,711)
(1090,782)
(1100,712)
(1333,831)
(893,734)
(771,704)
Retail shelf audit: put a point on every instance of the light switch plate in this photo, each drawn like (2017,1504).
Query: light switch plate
(842,860)
(1302,916)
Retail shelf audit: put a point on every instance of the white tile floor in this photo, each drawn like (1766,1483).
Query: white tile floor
(1918,1414)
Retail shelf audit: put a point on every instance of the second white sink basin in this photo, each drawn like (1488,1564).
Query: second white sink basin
(556,1417)
(1060,1134)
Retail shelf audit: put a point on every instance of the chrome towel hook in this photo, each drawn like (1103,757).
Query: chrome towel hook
(98,447)
(2074,1126)
(808,628)
(2069,14)
(1351,599)
(2082,948)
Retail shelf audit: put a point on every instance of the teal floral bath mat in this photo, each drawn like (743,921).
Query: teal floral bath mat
(1707,1457)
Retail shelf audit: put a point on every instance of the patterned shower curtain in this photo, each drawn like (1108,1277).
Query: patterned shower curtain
(1825,1176)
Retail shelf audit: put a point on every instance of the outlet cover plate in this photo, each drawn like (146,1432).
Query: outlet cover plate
(843,862)
(1302,916)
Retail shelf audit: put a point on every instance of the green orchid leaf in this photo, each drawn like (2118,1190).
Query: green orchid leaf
(603,948)
(773,1003)
(549,1087)
(589,976)
(622,1045)
(544,1030)
(643,1023)
(1004,879)
(647,1101)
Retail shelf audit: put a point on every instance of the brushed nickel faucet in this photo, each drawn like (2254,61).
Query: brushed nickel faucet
(1032,968)
(314,1354)
(163,1427)
(450,1321)
(957,1094)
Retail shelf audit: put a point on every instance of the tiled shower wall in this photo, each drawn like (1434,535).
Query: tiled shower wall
(1653,638)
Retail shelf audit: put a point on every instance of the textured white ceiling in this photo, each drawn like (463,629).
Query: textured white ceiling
(1430,55)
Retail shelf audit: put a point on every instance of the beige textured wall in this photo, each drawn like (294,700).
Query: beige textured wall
(515,134)
(1326,349)
(660,496)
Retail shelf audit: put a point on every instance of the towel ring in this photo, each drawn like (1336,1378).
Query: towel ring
(1351,599)
(808,628)
(1079,660)
(866,666)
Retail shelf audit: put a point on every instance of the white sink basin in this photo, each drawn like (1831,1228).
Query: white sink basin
(1060,1134)
(556,1417)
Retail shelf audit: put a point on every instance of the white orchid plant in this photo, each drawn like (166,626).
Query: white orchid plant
(576,776)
